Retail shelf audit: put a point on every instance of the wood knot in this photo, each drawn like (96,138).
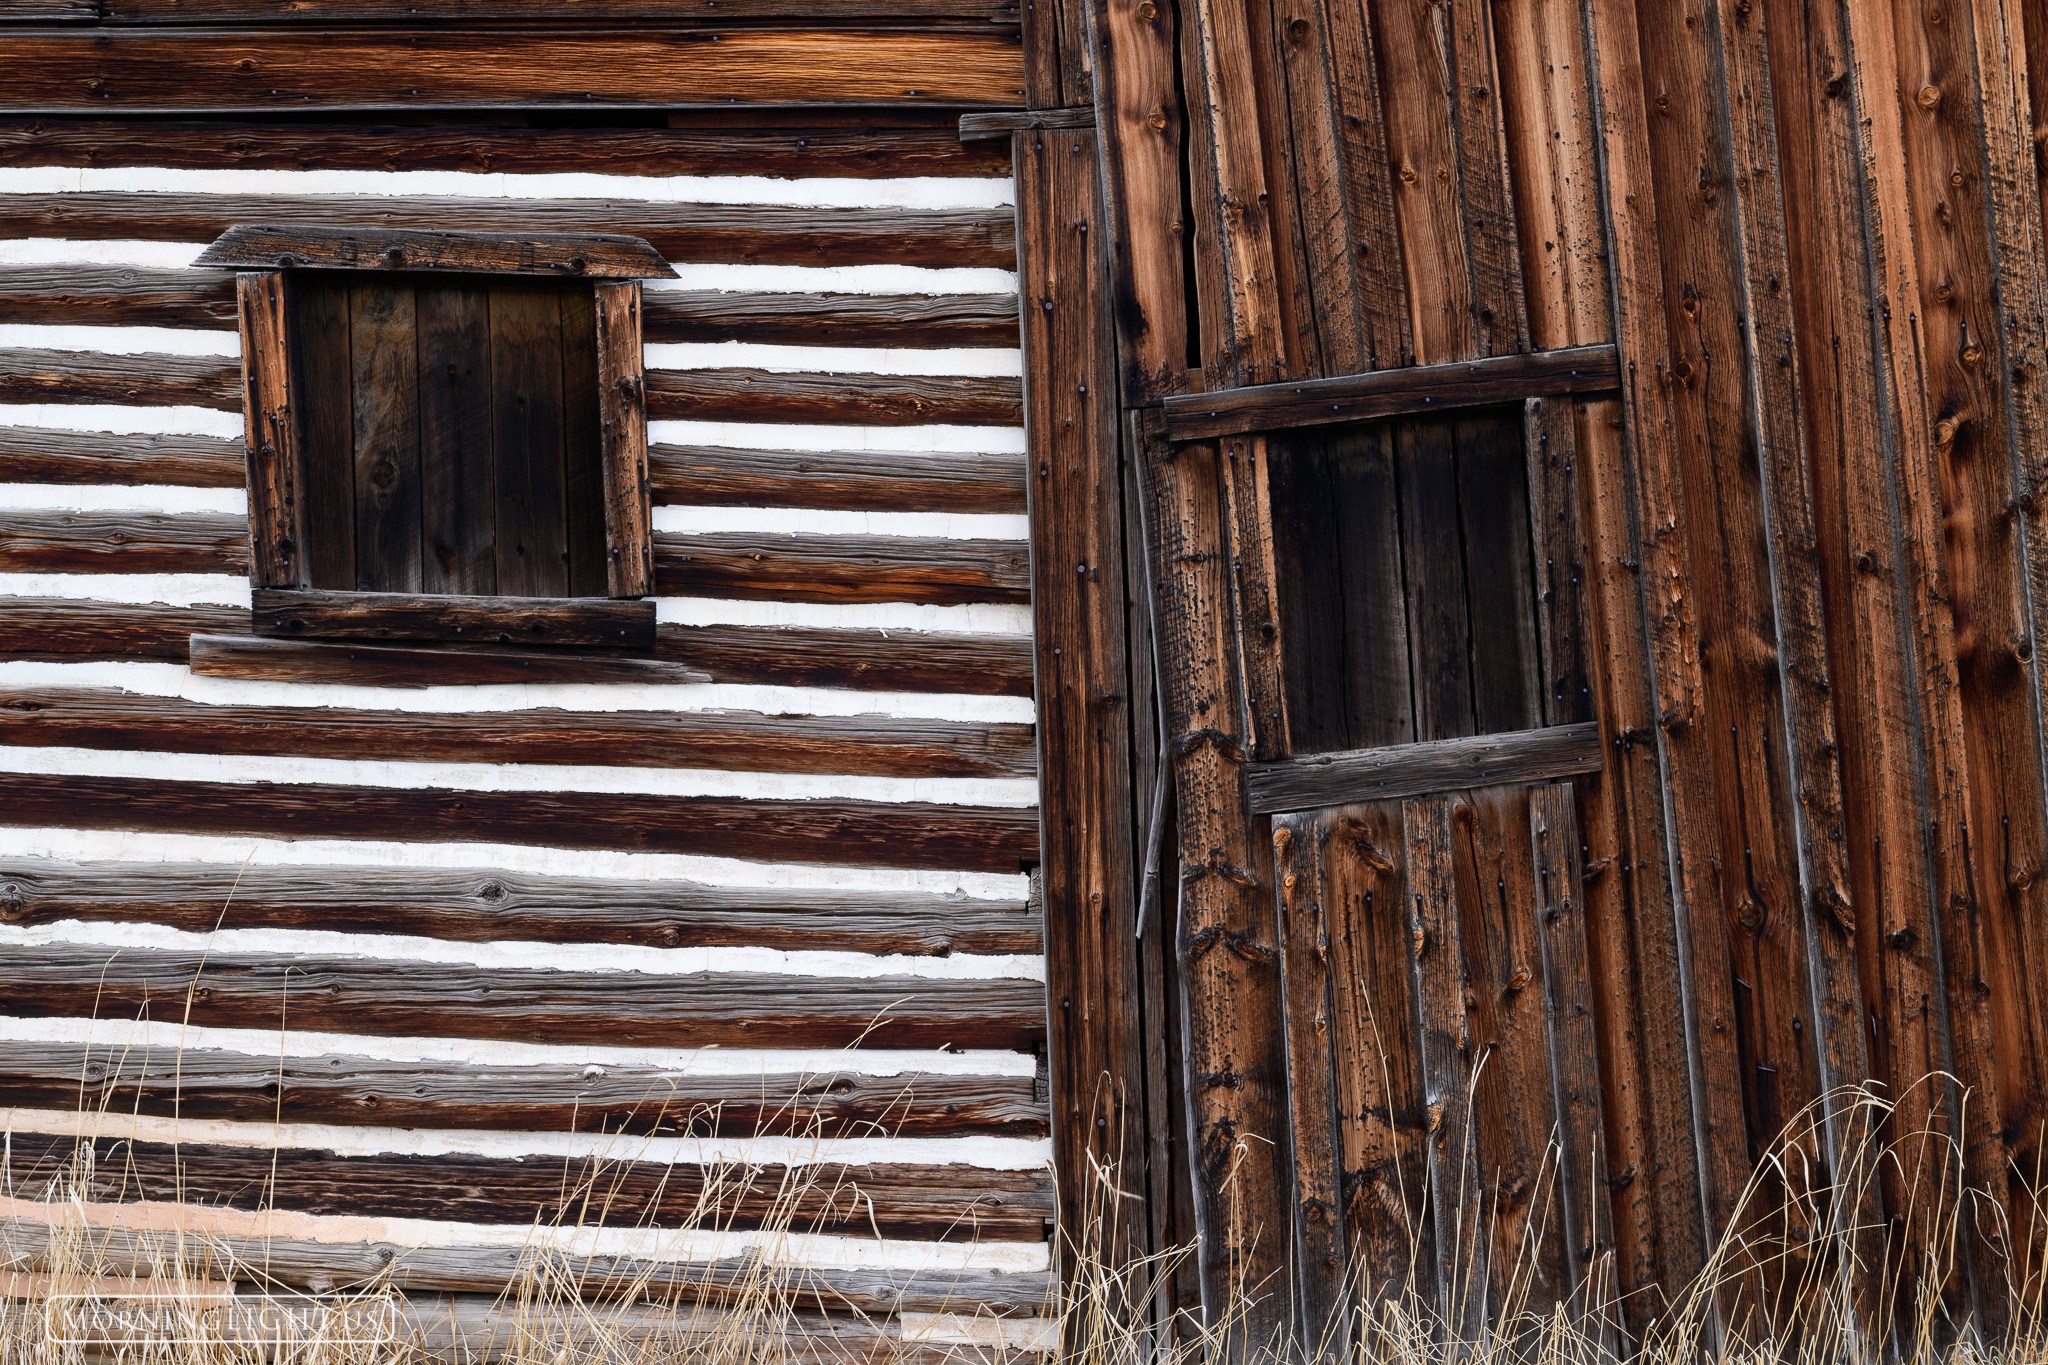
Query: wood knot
(1929,96)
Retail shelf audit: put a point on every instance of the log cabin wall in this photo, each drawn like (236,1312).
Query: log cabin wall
(458,941)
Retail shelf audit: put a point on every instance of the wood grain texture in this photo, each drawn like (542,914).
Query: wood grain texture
(384,392)
(106,718)
(122,542)
(860,144)
(279,500)
(910,834)
(747,395)
(481,905)
(749,234)
(802,567)
(414,665)
(1422,768)
(43,376)
(116,296)
(416,999)
(190,71)
(458,465)
(894,661)
(63,629)
(595,256)
(948,1203)
(525,621)
(1392,393)
(1038,120)
(904,320)
(50,455)
(849,480)
(248,12)
(554,1098)
(622,412)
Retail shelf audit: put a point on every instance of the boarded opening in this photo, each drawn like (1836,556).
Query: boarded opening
(1407,581)
(451,435)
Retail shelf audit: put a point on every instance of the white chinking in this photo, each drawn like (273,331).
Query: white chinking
(773,521)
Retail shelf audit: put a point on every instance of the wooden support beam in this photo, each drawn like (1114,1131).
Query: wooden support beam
(1439,765)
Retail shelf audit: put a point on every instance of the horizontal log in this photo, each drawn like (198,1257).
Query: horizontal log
(861,833)
(853,480)
(1392,393)
(889,400)
(639,67)
(61,629)
(116,296)
(108,718)
(416,665)
(978,126)
(501,11)
(123,542)
(481,905)
(325,1267)
(919,321)
(341,1089)
(839,568)
(532,1005)
(319,614)
(45,455)
(592,256)
(1314,781)
(934,1203)
(863,144)
(30,375)
(717,233)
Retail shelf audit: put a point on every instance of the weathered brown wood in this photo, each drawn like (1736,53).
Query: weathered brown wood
(622,409)
(531,462)
(853,480)
(49,455)
(891,834)
(364,665)
(466,619)
(128,296)
(130,542)
(838,568)
(551,1098)
(744,233)
(1310,593)
(103,718)
(485,904)
(594,256)
(741,395)
(862,143)
(192,71)
(585,512)
(324,403)
(39,376)
(458,495)
(279,510)
(1442,665)
(62,628)
(303,1264)
(1564,624)
(946,1203)
(384,417)
(414,999)
(1393,393)
(244,12)
(1500,573)
(920,320)
(896,660)
(1312,780)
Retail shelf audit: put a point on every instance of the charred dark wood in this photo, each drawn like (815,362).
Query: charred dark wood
(40,376)
(1317,780)
(861,833)
(946,1203)
(45,455)
(853,480)
(909,320)
(412,616)
(1393,393)
(840,568)
(692,232)
(561,1097)
(112,295)
(594,256)
(123,542)
(484,904)
(108,718)
(741,395)
(243,656)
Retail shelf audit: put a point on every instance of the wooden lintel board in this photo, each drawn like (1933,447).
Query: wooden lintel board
(554,255)
(1392,393)
(435,616)
(1313,781)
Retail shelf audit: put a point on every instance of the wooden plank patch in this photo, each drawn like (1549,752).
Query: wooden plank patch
(1403,770)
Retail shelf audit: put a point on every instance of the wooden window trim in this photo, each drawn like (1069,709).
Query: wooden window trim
(275,459)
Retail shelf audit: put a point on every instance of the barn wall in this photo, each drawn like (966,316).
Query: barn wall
(519,949)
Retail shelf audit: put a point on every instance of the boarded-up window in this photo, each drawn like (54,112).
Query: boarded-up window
(1407,581)
(450,435)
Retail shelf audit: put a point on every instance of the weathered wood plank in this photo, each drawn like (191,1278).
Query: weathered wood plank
(1308,781)
(641,67)
(325,406)
(945,1203)
(861,144)
(896,660)
(585,512)
(745,395)
(531,462)
(107,718)
(1442,665)
(1500,572)
(246,12)
(384,402)
(561,1097)
(116,296)
(458,465)
(122,542)
(50,455)
(623,407)
(66,629)
(467,619)
(876,834)
(44,376)
(1378,703)
(803,567)
(904,320)
(418,999)
(851,480)
(693,232)
(481,905)
(1592,369)
(595,256)
(414,665)
(280,512)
